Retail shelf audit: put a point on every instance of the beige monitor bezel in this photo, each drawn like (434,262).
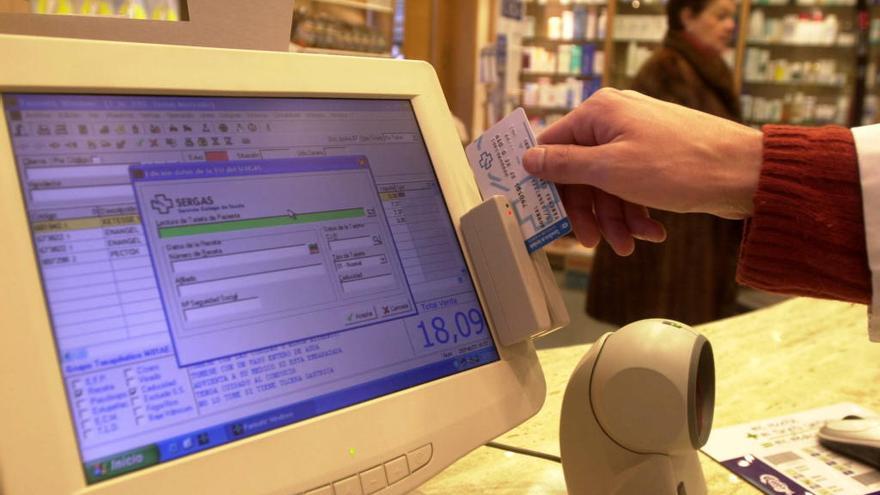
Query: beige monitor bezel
(38,448)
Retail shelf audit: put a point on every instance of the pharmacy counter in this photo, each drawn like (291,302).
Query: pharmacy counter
(797,355)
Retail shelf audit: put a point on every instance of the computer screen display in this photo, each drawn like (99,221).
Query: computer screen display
(218,267)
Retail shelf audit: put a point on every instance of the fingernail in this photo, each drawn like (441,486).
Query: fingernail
(533,160)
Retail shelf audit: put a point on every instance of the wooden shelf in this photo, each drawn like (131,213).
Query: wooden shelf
(359,5)
(655,41)
(557,75)
(545,110)
(785,44)
(798,84)
(332,51)
(794,5)
(541,40)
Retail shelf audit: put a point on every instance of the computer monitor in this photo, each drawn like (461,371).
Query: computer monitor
(238,272)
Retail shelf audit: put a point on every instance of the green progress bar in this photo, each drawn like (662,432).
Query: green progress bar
(259,223)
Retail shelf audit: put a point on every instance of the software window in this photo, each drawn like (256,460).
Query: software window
(252,254)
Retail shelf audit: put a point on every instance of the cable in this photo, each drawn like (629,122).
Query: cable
(533,453)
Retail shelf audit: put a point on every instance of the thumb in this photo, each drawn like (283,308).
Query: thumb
(567,164)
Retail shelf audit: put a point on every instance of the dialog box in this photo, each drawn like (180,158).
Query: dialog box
(253,254)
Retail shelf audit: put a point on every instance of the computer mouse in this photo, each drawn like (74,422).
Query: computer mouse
(857,438)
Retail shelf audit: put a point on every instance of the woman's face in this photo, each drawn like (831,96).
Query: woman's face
(713,27)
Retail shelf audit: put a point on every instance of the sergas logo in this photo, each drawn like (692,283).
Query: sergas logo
(163,204)
(775,484)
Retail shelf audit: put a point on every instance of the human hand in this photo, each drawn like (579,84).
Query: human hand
(621,152)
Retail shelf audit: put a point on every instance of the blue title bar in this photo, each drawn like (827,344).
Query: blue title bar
(209,170)
(125,103)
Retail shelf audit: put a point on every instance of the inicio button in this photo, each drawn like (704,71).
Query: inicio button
(373,480)
(419,457)
(348,486)
(396,470)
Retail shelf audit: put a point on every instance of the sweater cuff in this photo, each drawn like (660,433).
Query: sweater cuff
(807,234)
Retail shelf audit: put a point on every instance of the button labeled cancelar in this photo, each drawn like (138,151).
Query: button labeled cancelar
(419,457)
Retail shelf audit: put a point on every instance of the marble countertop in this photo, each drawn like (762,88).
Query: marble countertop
(797,355)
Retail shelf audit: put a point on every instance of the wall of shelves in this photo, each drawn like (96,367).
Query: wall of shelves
(799,62)
(564,47)
(794,61)
(638,28)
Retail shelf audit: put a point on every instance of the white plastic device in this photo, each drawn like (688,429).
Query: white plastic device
(388,444)
(636,410)
(520,290)
(858,438)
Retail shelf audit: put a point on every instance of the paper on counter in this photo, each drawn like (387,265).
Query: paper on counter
(782,455)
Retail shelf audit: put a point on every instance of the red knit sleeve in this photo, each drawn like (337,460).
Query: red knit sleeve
(807,234)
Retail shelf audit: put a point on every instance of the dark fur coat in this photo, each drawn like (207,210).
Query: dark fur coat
(690,277)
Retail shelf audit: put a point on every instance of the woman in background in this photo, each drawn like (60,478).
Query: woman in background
(690,277)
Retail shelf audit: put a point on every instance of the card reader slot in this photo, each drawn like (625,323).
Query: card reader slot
(518,289)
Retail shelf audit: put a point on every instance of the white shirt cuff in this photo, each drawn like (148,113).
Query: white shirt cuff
(867,141)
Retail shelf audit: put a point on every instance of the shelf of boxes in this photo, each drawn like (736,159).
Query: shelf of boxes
(563,56)
(343,27)
(798,63)
(639,28)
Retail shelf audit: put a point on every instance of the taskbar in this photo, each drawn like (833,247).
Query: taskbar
(180,446)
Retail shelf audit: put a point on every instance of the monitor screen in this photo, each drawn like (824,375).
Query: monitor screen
(218,267)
